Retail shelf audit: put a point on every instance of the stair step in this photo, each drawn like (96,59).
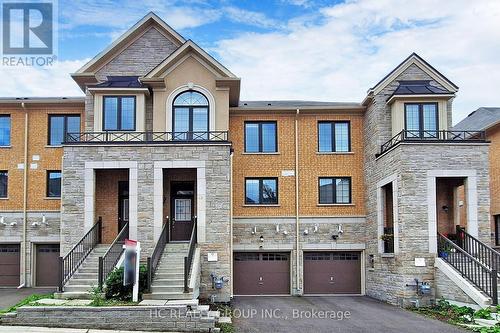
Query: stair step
(167,281)
(161,288)
(73,295)
(168,296)
(77,288)
(79,281)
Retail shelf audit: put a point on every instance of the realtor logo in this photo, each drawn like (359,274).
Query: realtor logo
(28,29)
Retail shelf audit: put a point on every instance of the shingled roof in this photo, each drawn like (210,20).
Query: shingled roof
(480,120)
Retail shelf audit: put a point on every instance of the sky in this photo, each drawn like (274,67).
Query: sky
(293,49)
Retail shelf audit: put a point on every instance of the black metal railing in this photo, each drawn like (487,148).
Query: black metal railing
(388,239)
(482,276)
(189,259)
(481,251)
(154,260)
(432,136)
(108,261)
(75,257)
(117,137)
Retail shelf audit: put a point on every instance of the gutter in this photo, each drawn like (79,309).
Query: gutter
(297,228)
(231,213)
(25,194)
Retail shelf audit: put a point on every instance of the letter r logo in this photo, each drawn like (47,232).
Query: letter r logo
(27,28)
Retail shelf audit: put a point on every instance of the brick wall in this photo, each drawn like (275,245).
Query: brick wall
(494,136)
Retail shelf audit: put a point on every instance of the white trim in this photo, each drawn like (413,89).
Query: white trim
(380,212)
(436,97)
(333,246)
(470,183)
(89,192)
(200,195)
(186,87)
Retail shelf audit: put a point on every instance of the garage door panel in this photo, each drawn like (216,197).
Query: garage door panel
(261,273)
(9,265)
(47,258)
(332,273)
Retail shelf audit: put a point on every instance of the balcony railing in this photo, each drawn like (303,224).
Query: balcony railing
(432,137)
(117,137)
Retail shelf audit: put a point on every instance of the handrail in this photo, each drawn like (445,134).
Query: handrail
(154,260)
(478,249)
(108,261)
(128,137)
(78,253)
(427,136)
(189,259)
(482,276)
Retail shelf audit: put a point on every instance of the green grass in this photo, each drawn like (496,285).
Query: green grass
(28,300)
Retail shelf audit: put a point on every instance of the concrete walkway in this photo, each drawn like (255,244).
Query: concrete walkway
(12,296)
(26,329)
(329,314)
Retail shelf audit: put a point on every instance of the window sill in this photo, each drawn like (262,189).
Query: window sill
(263,205)
(327,205)
(275,153)
(387,255)
(52,198)
(53,146)
(6,147)
(335,153)
(4,198)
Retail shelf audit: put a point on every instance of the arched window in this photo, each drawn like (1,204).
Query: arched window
(190,116)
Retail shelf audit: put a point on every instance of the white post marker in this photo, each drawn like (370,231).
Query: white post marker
(132,257)
(135,290)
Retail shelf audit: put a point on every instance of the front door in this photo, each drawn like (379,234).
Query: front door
(123,204)
(182,206)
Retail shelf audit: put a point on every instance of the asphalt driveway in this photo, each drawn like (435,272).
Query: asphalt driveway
(12,296)
(328,314)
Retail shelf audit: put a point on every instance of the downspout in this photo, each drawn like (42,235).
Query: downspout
(297,228)
(25,194)
(231,222)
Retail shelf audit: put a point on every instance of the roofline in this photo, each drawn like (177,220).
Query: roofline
(124,36)
(291,108)
(42,100)
(410,96)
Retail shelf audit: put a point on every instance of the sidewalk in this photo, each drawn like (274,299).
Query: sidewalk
(26,329)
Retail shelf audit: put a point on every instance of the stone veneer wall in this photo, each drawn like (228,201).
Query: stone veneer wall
(447,289)
(43,233)
(216,158)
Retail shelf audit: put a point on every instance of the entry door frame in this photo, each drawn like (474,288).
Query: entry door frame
(173,197)
(121,198)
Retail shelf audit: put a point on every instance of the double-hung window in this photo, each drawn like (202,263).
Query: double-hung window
(119,113)
(54,184)
(261,137)
(421,120)
(261,191)
(334,136)
(335,190)
(4,130)
(4,181)
(60,126)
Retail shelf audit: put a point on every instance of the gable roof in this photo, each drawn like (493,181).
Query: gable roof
(185,49)
(479,120)
(151,19)
(412,59)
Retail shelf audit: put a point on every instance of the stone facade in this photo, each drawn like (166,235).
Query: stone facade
(216,161)
(447,289)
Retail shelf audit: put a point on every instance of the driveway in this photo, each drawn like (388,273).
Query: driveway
(328,314)
(12,296)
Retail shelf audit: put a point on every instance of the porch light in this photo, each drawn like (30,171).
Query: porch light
(306,232)
(254,230)
(277,228)
(261,239)
(315,230)
(2,220)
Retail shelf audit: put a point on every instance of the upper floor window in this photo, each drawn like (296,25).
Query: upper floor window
(54,184)
(261,137)
(4,130)
(421,120)
(119,113)
(60,126)
(4,180)
(335,190)
(190,116)
(261,191)
(334,136)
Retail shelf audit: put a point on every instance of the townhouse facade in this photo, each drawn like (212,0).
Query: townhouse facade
(231,198)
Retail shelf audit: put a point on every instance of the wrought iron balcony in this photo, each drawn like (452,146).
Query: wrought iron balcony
(432,137)
(118,137)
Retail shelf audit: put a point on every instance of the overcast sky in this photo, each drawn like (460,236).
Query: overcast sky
(294,49)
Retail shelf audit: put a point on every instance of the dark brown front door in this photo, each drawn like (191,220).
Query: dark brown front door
(182,206)
(47,258)
(123,204)
(261,273)
(10,255)
(332,272)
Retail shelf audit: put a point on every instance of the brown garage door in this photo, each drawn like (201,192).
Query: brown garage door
(332,272)
(261,273)
(47,256)
(9,265)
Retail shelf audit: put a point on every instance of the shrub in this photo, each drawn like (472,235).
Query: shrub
(114,284)
(483,314)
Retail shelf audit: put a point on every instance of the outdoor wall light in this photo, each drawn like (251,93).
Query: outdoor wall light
(335,236)
(306,232)
(261,239)
(340,229)
(2,220)
(277,228)
(12,224)
(315,228)
(285,232)
(445,208)
(254,230)
(35,224)
(44,220)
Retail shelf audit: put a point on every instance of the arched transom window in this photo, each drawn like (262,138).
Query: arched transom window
(190,116)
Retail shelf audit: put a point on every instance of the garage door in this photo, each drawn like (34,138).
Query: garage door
(332,272)
(10,255)
(47,263)
(261,273)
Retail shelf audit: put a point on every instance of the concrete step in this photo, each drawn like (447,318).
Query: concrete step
(77,288)
(88,270)
(79,281)
(171,275)
(169,281)
(170,269)
(159,288)
(79,275)
(73,295)
(169,296)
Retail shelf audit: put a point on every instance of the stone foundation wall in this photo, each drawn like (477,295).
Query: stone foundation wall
(447,289)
